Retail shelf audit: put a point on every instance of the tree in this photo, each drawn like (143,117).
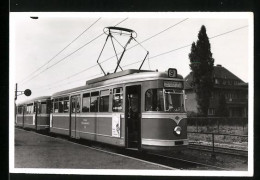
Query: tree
(222,110)
(201,64)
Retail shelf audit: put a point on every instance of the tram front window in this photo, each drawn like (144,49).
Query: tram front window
(154,100)
(174,102)
(171,101)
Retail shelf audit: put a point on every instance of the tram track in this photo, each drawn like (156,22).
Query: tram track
(174,162)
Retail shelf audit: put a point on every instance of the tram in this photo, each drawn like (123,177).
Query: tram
(132,109)
(34,114)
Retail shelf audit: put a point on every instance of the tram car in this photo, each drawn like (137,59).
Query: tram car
(137,109)
(34,114)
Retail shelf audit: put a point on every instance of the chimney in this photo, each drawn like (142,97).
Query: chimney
(219,65)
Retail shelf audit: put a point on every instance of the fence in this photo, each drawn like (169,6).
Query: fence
(224,132)
(218,125)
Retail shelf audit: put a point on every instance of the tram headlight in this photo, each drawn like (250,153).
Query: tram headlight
(177,130)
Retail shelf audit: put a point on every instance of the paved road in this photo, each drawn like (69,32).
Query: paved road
(34,150)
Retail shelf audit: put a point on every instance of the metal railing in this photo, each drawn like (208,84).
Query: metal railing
(218,126)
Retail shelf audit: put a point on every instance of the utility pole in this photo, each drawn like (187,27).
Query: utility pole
(26,92)
(15,92)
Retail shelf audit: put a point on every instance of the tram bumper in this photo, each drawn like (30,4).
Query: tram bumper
(164,145)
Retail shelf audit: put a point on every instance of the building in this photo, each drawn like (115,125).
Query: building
(225,83)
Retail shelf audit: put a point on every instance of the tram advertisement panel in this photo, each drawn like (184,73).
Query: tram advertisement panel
(116,125)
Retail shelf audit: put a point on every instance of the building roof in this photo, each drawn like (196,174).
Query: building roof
(219,72)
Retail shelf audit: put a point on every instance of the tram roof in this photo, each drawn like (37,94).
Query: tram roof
(115,75)
(127,76)
(34,99)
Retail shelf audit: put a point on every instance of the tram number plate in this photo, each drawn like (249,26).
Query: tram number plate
(172,84)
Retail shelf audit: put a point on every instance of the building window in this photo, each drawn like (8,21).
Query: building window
(216,81)
(86,102)
(211,111)
(118,100)
(104,101)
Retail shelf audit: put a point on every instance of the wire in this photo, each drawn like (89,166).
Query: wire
(167,52)
(69,54)
(127,49)
(149,38)
(176,49)
(62,49)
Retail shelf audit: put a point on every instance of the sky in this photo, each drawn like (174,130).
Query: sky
(167,37)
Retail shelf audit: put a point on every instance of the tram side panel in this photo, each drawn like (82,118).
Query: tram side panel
(60,123)
(19,120)
(29,121)
(101,128)
(159,132)
(43,121)
(19,116)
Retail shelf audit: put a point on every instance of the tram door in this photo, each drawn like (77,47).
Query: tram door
(36,112)
(74,110)
(133,116)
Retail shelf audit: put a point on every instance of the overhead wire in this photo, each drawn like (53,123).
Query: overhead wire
(176,49)
(138,43)
(61,50)
(81,48)
(71,53)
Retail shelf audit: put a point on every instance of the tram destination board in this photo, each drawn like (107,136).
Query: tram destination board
(172,84)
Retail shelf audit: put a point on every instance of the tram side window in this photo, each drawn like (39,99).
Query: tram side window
(20,110)
(29,109)
(154,100)
(38,108)
(61,105)
(56,105)
(75,105)
(34,107)
(48,106)
(94,101)
(86,102)
(117,99)
(66,104)
(43,107)
(104,101)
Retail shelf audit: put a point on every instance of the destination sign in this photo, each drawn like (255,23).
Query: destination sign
(173,84)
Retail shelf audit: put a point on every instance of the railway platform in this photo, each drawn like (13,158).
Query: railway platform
(33,150)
